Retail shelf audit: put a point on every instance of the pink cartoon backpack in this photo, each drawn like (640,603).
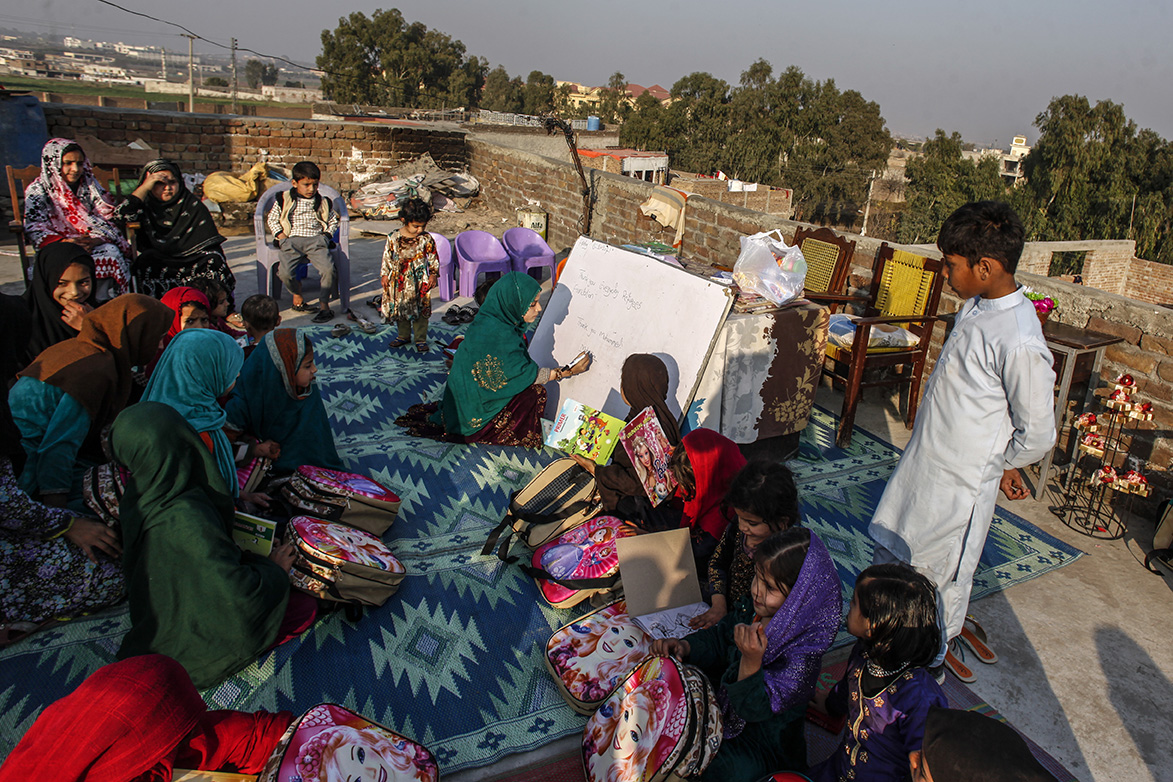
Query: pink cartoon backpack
(332,744)
(590,656)
(341,563)
(580,563)
(348,497)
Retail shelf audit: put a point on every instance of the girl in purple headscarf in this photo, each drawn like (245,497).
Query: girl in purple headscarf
(764,656)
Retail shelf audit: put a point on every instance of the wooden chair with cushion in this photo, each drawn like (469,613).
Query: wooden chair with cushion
(18,181)
(828,263)
(905,291)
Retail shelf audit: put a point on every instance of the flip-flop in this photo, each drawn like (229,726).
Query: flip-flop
(973,635)
(467,314)
(339,330)
(398,342)
(366,327)
(452,316)
(421,347)
(954,663)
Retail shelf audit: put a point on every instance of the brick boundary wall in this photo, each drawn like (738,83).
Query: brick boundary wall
(511,178)
(347,152)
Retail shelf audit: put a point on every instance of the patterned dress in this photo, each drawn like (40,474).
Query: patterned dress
(881,730)
(42,575)
(731,568)
(408,264)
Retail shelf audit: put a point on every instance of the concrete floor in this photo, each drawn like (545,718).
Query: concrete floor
(1085,651)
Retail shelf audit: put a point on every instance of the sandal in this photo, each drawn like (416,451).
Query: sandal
(375,302)
(366,327)
(452,316)
(421,347)
(467,314)
(323,316)
(339,330)
(303,307)
(398,342)
(973,635)
(954,663)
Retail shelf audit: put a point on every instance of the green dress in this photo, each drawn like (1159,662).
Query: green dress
(194,595)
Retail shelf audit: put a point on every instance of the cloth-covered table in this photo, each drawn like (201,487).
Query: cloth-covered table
(761,376)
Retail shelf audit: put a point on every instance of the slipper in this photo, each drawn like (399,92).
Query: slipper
(398,342)
(323,316)
(421,347)
(954,663)
(339,330)
(375,302)
(452,316)
(467,314)
(366,327)
(303,307)
(973,635)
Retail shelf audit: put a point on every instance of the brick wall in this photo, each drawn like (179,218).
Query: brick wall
(510,178)
(1149,281)
(348,153)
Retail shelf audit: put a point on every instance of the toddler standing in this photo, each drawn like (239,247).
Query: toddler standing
(411,268)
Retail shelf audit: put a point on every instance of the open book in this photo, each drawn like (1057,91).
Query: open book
(649,449)
(584,430)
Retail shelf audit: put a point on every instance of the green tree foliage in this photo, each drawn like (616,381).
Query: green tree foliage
(537,97)
(614,103)
(1084,172)
(257,73)
(215,81)
(385,60)
(787,131)
(502,93)
(940,181)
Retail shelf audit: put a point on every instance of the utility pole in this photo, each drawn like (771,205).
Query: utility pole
(190,73)
(233,75)
(867,208)
(1132,215)
(164,57)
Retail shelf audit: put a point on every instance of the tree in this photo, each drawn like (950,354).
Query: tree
(215,81)
(614,100)
(296,84)
(940,181)
(644,127)
(257,73)
(538,95)
(501,93)
(386,60)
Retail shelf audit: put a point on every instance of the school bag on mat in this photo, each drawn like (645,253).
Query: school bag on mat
(341,563)
(249,476)
(558,499)
(102,487)
(660,725)
(332,744)
(342,496)
(580,563)
(592,655)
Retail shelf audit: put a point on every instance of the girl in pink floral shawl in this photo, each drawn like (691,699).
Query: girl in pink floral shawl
(66,204)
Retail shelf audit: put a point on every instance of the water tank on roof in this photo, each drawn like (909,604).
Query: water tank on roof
(23,132)
(594,123)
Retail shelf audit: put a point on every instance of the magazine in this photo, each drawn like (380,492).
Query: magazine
(584,430)
(649,449)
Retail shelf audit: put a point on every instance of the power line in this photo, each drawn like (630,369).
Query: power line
(72,25)
(199,37)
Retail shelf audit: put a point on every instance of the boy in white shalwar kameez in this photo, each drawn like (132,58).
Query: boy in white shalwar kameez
(988,410)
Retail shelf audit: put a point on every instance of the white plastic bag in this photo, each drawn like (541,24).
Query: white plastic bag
(770,268)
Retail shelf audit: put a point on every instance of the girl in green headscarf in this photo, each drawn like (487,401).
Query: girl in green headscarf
(495,393)
(196,369)
(194,595)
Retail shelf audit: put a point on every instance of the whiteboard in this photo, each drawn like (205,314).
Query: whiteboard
(615,302)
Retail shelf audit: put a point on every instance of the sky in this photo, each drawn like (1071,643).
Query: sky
(985,70)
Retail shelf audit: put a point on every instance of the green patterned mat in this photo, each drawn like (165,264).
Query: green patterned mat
(454,659)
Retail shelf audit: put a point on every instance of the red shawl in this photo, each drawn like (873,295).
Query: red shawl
(715,460)
(136,720)
(176,298)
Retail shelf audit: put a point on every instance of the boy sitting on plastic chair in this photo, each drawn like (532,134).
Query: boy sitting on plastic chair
(303,223)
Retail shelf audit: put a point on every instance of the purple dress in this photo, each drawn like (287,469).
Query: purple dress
(881,731)
(42,575)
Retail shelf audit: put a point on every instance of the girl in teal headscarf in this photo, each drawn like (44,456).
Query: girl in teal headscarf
(495,392)
(196,369)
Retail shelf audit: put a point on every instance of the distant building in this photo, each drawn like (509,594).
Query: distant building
(291,94)
(648,166)
(77,43)
(1012,162)
(591,97)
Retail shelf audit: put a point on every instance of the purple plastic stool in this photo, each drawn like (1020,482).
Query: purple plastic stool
(479,252)
(528,251)
(447,277)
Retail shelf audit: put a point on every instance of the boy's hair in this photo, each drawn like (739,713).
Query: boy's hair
(781,555)
(681,467)
(414,210)
(261,312)
(765,489)
(306,169)
(901,606)
(984,229)
(482,291)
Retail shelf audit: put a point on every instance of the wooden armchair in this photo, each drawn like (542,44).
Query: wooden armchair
(18,181)
(828,263)
(905,291)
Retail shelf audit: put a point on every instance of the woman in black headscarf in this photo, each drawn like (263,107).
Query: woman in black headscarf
(59,296)
(177,241)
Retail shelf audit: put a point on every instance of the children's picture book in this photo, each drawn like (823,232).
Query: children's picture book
(649,449)
(252,533)
(584,430)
